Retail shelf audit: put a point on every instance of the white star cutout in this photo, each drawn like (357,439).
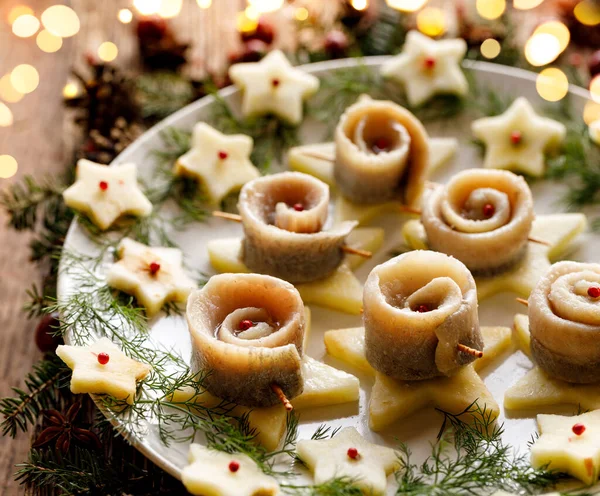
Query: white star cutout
(117,377)
(153,275)
(569,444)
(517,139)
(106,193)
(273,86)
(332,458)
(221,163)
(214,473)
(427,67)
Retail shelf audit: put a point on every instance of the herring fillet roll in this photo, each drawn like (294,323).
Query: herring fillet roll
(242,364)
(481,217)
(417,308)
(382,153)
(284,218)
(564,321)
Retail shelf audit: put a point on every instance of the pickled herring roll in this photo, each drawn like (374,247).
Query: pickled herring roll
(382,153)
(284,218)
(420,316)
(481,217)
(247,331)
(564,321)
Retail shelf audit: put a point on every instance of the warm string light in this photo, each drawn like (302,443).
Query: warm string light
(25,26)
(263,6)
(147,7)
(552,84)
(301,14)
(587,12)
(556,29)
(359,4)
(406,5)
(170,8)
(431,21)
(125,16)
(25,78)
(490,48)
(70,90)
(204,4)
(61,20)
(47,42)
(591,112)
(542,48)
(8,92)
(595,89)
(490,9)
(245,23)
(6,116)
(18,11)
(108,51)
(526,4)
(8,166)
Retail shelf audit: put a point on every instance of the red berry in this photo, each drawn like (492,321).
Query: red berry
(103,358)
(151,28)
(103,185)
(488,210)
(516,137)
(246,324)
(298,207)
(234,466)
(352,453)
(578,429)
(44,333)
(381,145)
(422,309)
(223,155)
(154,267)
(275,83)
(429,62)
(336,43)
(593,292)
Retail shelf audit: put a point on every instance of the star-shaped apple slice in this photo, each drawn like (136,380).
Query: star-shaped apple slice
(102,368)
(340,291)
(154,275)
(215,473)
(517,139)
(427,67)
(273,86)
(349,455)
(570,445)
(220,163)
(105,194)
(557,231)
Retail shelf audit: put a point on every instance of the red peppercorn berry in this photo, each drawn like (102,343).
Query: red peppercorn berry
(103,185)
(246,324)
(516,137)
(103,358)
(593,292)
(154,267)
(429,62)
(275,83)
(223,155)
(234,466)
(578,429)
(298,207)
(488,210)
(352,453)
(422,309)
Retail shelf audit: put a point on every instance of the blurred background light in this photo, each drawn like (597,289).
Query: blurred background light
(8,92)
(587,12)
(556,29)
(47,42)
(541,49)
(170,8)
(591,112)
(301,14)
(431,21)
(25,26)
(406,5)
(490,9)
(70,90)
(490,48)
(359,4)
(125,16)
(147,7)
(25,78)
(204,4)
(17,11)
(6,116)
(263,6)
(108,51)
(526,4)
(8,166)
(61,21)
(552,84)
(595,89)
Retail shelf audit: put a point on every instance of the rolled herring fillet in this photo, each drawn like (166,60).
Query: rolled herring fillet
(381,152)
(283,216)
(564,321)
(417,308)
(481,217)
(242,364)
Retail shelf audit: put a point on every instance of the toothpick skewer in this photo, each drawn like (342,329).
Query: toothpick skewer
(320,156)
(356,251)
(409,210)
(522,301)
(540,241)
(282,397)
(469,351)
(227,216)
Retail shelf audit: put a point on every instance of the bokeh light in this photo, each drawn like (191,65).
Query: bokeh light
(595,89)
(301,14)
(204,4)
(587,12)
(490,48)
(147,7)
(591,112)
(359,4)
(25,26)
(552,84)
(108,51)
(406,5)
(6,116)
(25,78)
(61,21)
(125,16)
(170,8)
(245,24)
(70,90)
(8,92)
(8,166)
(47,42)
(541,49)
(490,9)
(526,4)
(556,29)
(431,21)
(17,11)
(263,6)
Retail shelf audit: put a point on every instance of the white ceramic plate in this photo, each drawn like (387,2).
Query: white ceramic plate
(419,430)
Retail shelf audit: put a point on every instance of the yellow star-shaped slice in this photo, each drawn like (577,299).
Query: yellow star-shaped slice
(349,455)
(537,390)
(558,230)
(340,291)
(273,86)
(106,193)
(214,473)
(517,139)
(221,163)
(426,67)
(569,444)
(154,275)
(117,377)
(392,400)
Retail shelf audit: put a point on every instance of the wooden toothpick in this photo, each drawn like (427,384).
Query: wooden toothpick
(409,210)
(540,241)
(227,216)
(356,251)
(319,156)
(522,301)
(282,397)
(469,351)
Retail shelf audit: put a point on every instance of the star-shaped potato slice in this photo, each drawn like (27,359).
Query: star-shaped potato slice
(517,139)
(220,163)
(106,193)
(569,444)
(340,291)
(426,67)
(273,86)
(92,374)
(214,473)
(558,230)
(537,390)
(349,455)
(154,275)
(317,159)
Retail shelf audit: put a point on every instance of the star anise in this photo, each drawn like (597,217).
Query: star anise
(62,430)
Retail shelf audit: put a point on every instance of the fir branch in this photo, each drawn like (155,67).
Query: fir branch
(159,94)
(341,486)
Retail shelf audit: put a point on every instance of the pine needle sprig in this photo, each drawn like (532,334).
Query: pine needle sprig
(340,486)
